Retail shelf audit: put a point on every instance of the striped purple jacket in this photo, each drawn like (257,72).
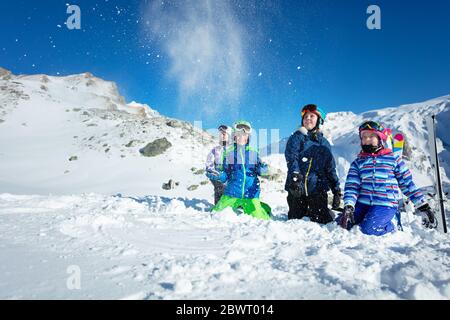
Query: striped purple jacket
(376,179)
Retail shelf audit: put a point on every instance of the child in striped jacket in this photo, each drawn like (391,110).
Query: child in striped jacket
(373,183)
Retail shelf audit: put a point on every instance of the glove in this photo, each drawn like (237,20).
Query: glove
(296,185)
(337,196)
(213,174)
(347,216)
(263,169)
(428,219)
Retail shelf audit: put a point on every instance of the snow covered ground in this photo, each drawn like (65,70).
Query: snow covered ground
(161,248)
(103,219)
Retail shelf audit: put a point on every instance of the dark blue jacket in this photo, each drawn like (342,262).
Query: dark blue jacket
(310,155)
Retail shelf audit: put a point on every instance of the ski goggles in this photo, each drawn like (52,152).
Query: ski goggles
(242,128)
(310,108)
(223,128)
(313,109)
(378,128)
(371,125)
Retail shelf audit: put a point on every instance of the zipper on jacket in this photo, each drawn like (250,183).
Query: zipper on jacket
(243,169)
(306,177)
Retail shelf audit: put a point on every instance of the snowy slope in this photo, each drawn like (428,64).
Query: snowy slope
(106,214)
(47,120)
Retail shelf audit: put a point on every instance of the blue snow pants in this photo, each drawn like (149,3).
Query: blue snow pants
(373,220)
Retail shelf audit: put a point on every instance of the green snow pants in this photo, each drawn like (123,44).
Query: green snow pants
(253,207)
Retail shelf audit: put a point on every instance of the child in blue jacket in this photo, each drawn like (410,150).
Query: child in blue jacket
(373,183)
(240,169)
(311,170)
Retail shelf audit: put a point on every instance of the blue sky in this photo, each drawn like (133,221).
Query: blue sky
(218,61)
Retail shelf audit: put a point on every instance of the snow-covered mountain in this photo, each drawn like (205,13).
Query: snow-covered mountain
(69,145)
(76,134)
(341,129)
